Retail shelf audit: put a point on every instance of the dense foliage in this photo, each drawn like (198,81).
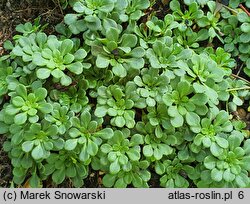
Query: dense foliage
(130,94)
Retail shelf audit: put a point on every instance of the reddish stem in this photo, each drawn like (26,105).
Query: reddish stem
(244,9)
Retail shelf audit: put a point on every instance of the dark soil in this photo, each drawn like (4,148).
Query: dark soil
(5,166)
(14,12)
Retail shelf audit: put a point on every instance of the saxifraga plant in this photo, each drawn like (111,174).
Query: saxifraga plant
(128,94)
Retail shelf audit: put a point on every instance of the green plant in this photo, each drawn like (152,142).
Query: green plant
(180,106)
(66,164)
(120,151)
(91,12)
(60,116)
(189,38)
(75,98)
(138,176)
(86,136)
(157,144)
(171,171)
(6,71)
(151,86)
(236,30)
(244,47)
(230,168)
(187,17)
(113,102)
(211,21)
(165,54)
(212,134)
(26,106)
(119,51)
(27,28)
(156,29)
(222,58)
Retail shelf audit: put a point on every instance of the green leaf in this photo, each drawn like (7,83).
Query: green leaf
(106,133)
(57,73)
(79,7)
(68,58)
(221,118)
(74,132)
(136,63)
(18,101)
(102,61)
(242,17)
(150,102)
(194,121)
(245,27)
(177,121)
(70,171)
(112,34)
(66,46)
(159,168)
(180,181)
(4,128)
(38,152)
(216,150)
(246,163)
(148,151)
(133,154)
(20,118)
(93,22)
(119,121)
(76,68)
(92,148)
(114,167)
(100,111)
(66,80)
(40,93)
(71,144)
(43,73)
(222,142)
(80,54)
(84,156)
(242,180)
(210,162)
(207,142)
(33,119)
(228,176)
(18,51)
(119,70)
(108,180)
(112,156)
(45,107)
(39,60)
(27,146)
(137,52)
(183,88)
(216,175)
(174,5)
(246,146)
(59,175)
(34,181)
(21,91)
(106,148)
(128,40)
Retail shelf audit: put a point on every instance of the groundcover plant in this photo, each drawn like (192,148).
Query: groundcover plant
(138,97)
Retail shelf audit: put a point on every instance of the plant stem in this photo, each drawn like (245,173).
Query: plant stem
(230,9)
(239,88)
(244,9)
(236,76)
